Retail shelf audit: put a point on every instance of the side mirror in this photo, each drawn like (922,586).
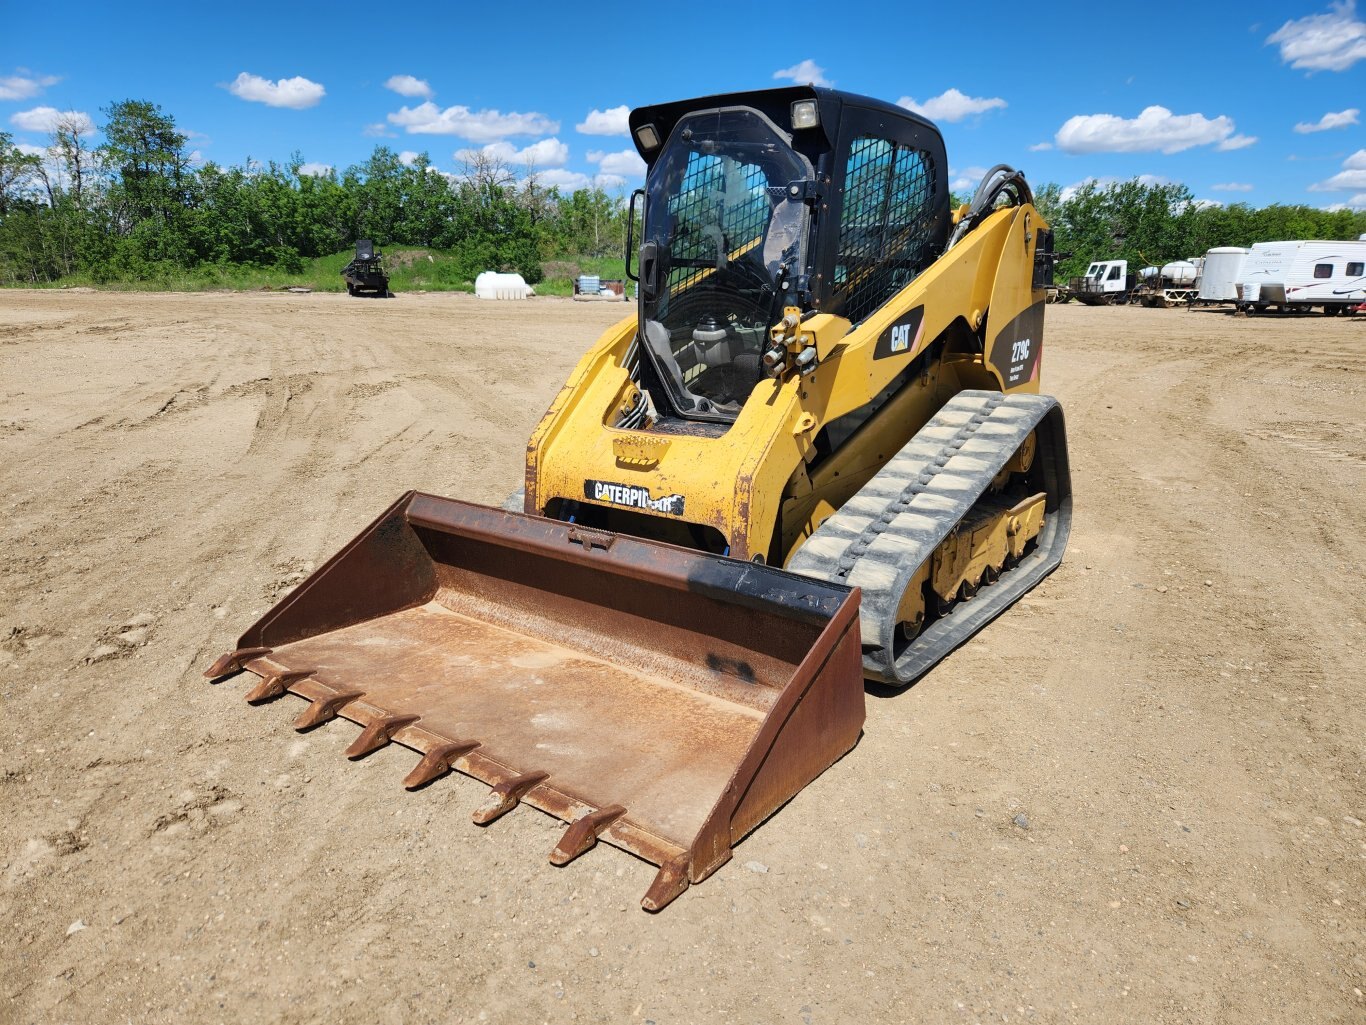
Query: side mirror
(631,231)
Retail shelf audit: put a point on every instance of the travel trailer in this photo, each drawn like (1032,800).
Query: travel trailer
(1219,280)
(1298,276)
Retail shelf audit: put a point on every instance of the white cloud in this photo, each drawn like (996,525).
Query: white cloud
(1236,142)
(1342,119)
(296,93)
(407,85)
(25,85)
(572,181)
(378,130)
(546,153)
(1156,128)
(34,151)
(1106,181)
(968,178)
(475,125)
(409,157)
(951,105)
(804,72)
(626,163)
(1040,147)
(1323,42)
(315,169)
(1206,204)
(1232,187)
(559,178)
(1358,202)
(196,158)
(611,121)
(1352,175)
(44,119)
(1068,191)
(1340,182)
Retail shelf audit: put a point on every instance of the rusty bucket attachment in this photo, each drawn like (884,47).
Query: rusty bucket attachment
(658,699)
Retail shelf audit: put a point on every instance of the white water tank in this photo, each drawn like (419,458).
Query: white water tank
(1180,272)
(492,285)
(1219,283)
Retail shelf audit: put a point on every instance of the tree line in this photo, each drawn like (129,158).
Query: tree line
(1153,224)
(137,206)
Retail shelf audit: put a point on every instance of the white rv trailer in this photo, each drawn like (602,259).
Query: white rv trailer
(1301,275)
(1222,272)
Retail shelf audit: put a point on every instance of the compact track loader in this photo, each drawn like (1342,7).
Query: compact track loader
(816,455)
(364,275)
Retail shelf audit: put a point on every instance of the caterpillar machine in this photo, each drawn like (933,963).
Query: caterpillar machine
(816,455)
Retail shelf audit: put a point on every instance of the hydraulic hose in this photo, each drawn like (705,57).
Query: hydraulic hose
(1000,179)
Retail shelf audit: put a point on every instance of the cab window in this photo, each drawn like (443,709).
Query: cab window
(887,228)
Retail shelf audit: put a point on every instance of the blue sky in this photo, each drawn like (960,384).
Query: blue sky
(1209,94)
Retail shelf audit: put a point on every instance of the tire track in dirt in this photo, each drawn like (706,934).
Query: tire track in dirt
(1186,758)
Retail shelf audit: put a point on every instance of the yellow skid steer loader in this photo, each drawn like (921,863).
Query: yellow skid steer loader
(816,454)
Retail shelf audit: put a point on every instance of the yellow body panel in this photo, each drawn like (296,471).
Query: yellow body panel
(739,482)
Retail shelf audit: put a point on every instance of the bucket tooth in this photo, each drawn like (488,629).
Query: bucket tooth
(670,881)
(582,834)
(233,660)
(437,762)
(378,733)
(324,709)
(274,685)
(506,796)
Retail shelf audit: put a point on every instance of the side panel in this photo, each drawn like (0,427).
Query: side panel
(599,370)
(1014,348)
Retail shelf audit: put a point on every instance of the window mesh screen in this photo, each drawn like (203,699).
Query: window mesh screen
(889,215)
(716,191)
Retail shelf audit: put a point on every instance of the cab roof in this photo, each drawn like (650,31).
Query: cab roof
(776,104)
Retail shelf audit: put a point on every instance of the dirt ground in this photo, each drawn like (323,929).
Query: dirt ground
(1138,797)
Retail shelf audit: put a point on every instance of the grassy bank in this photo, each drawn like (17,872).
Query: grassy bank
(410,269)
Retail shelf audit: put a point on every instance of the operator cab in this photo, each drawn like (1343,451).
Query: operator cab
(755,202)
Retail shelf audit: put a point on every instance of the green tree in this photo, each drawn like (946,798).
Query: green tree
(152,182)
(18,173)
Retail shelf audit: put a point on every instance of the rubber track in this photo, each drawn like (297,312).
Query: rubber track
(881,536)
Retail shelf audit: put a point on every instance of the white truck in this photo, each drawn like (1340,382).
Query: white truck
(1105,283)
(1109,283)
(1297,276)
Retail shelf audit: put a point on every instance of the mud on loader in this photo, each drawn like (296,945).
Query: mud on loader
(816,455)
